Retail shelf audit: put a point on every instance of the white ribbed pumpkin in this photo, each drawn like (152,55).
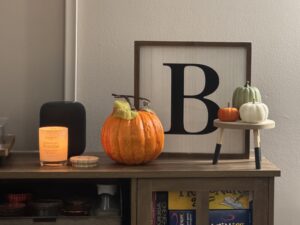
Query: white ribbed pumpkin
(254,112)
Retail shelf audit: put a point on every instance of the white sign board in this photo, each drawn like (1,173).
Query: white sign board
(187,82)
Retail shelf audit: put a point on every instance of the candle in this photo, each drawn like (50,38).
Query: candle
(53,145)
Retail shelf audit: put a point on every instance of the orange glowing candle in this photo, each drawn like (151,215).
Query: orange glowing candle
(53,145)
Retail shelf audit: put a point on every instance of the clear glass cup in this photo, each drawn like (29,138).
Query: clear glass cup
(3,122)
(108,202)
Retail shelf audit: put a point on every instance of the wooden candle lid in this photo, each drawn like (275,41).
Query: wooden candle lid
(84,161)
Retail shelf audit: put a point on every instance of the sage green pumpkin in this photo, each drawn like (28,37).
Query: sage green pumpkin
(245,94)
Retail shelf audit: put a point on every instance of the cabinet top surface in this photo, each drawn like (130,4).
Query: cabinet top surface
(26,165)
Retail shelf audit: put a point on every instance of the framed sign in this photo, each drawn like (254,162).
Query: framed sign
(187,82)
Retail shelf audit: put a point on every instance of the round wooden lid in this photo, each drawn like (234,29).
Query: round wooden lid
(84,161)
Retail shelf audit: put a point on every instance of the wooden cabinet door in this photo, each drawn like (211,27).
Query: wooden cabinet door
(259,187)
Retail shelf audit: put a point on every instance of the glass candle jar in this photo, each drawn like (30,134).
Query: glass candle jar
(53,145)
(3,122)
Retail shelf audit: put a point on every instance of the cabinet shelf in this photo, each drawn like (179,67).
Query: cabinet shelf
(26,166)
(107,220)
(62,217)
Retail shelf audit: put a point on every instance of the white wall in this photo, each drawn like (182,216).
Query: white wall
(31,63)
(107,30)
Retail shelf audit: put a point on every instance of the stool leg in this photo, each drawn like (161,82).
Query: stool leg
(257,158)
(218,147)
(217,153)
(257,149)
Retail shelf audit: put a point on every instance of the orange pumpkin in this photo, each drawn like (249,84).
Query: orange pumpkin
(132,137)
(228,114)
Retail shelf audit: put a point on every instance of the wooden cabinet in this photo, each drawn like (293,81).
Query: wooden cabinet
(168,173)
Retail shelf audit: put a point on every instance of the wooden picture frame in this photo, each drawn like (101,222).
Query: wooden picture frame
(168,74)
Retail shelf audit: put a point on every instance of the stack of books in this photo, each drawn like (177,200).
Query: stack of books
(174,208)
(179,208)
(230,208)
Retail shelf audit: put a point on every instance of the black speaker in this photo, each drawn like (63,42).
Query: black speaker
(67,114)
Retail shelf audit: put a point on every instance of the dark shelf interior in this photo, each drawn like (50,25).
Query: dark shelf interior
(64,190)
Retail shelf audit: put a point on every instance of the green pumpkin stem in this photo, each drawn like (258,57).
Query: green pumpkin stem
(126,97)
(253,100)
(247,83)
(122,110)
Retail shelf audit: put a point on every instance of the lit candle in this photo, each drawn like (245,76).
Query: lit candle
(53,145)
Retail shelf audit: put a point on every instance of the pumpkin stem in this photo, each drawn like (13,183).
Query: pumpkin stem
(146,101)
(122,110)
(247,83)
(126,97)
(253,100)
(228,104)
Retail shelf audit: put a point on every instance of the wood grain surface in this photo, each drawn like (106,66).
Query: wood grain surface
(25,165)
(268,124)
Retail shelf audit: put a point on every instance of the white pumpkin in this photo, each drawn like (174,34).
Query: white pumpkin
(254,112)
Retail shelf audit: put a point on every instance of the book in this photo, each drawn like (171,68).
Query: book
(182,217)
(174,208)
(230,217)
(229,200)
(182,200)
(182,207)
(160,208)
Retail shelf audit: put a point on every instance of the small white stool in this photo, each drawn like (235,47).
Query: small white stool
(268,124)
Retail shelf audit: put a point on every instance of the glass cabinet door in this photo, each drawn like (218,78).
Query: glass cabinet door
(204,201)
(230,207)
